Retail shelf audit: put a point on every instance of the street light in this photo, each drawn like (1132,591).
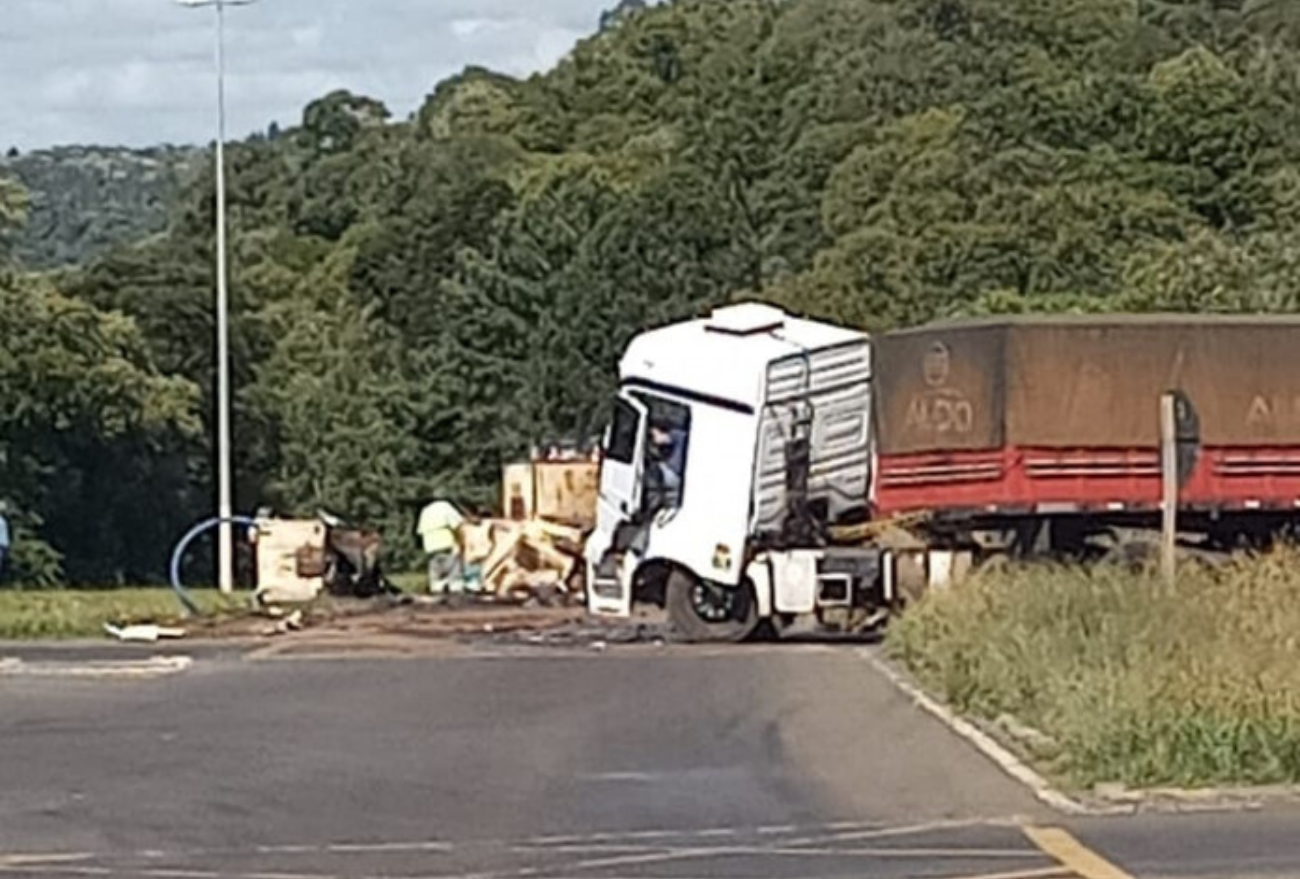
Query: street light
(226,551)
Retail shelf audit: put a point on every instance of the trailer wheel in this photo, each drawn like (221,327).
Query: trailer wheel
(701,612)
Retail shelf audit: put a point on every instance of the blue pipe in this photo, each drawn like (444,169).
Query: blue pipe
(179,551)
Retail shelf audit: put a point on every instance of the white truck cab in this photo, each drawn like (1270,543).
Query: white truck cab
(735,443)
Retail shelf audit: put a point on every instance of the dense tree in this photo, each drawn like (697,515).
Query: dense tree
(416,301)
(615,16)
(95,444)
(13,215)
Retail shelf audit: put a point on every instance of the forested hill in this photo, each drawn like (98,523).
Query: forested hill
(84,200)
(417,300)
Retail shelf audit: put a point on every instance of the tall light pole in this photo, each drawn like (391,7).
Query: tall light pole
(226,549)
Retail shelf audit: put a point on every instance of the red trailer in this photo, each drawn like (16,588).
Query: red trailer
(1020,420)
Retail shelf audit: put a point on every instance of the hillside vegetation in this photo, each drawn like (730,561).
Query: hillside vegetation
(417,300)
(85,200)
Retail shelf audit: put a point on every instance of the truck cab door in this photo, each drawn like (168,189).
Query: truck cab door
(608,579)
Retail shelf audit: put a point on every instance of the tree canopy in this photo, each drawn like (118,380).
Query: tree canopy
(415,301)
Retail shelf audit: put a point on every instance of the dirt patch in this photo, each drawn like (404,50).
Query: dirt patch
(408,617)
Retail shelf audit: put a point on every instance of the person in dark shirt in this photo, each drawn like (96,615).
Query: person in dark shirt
(668,456)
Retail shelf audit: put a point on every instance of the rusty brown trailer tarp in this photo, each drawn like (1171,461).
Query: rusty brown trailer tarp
(1086,382)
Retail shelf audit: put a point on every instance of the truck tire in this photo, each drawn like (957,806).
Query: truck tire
(700,612)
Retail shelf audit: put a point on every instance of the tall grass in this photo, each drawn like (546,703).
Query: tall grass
(74,613)
(1132,681)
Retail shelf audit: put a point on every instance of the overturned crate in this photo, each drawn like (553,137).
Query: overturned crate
(563,491)
(535,549)
(517,561)
(291,559)
(299,559)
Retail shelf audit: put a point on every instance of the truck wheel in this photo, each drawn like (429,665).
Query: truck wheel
(701,612)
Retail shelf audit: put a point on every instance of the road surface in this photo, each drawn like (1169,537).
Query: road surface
(638,763)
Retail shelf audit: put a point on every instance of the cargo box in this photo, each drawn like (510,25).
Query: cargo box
(1091,382)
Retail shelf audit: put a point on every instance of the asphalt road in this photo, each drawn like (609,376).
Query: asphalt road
(763,762)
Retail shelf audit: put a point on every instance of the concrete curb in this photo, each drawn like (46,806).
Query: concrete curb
(156,666)
(1203,800)
(987,745)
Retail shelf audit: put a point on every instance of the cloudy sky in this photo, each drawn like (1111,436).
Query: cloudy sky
(140,72)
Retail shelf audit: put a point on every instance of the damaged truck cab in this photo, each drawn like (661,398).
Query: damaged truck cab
(736,443)
(763,467)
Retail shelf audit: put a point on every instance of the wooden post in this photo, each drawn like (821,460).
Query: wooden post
(1168,487)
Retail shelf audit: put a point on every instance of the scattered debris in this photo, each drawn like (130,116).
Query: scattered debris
(596,635)
(298,559)
(290,623)
(533,560)
(285,624)
(144,632)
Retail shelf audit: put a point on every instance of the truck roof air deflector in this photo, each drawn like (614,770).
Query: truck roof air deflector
(746,319)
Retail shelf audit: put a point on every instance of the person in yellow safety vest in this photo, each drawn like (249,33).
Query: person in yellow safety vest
(439,530)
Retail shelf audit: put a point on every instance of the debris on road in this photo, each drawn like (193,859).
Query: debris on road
(522,572)
(521,561)
(143,632)
(532,554)
(596,635)
(286,624)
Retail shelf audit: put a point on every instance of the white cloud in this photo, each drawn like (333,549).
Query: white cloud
(141,71)
(308,38)
(468,28)
(552,44)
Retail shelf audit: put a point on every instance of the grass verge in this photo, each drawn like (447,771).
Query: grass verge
(53,614)
(411,582)
(76,613)
(1127,681)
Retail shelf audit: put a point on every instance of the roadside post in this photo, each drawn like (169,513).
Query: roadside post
(1180,450)
(1168,486)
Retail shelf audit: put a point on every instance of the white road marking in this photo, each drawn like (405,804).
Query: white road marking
(766,829)
(128,668)
(937,852)
(596,853)
(879,832)
(1056,872)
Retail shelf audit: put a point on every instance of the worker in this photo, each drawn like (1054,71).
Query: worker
(5,538)
(439,530)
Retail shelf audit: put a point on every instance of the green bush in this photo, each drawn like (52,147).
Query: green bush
(1131,681)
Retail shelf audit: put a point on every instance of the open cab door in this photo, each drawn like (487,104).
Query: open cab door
(609,572)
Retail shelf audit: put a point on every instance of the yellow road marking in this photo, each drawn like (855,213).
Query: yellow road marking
(1073,854)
